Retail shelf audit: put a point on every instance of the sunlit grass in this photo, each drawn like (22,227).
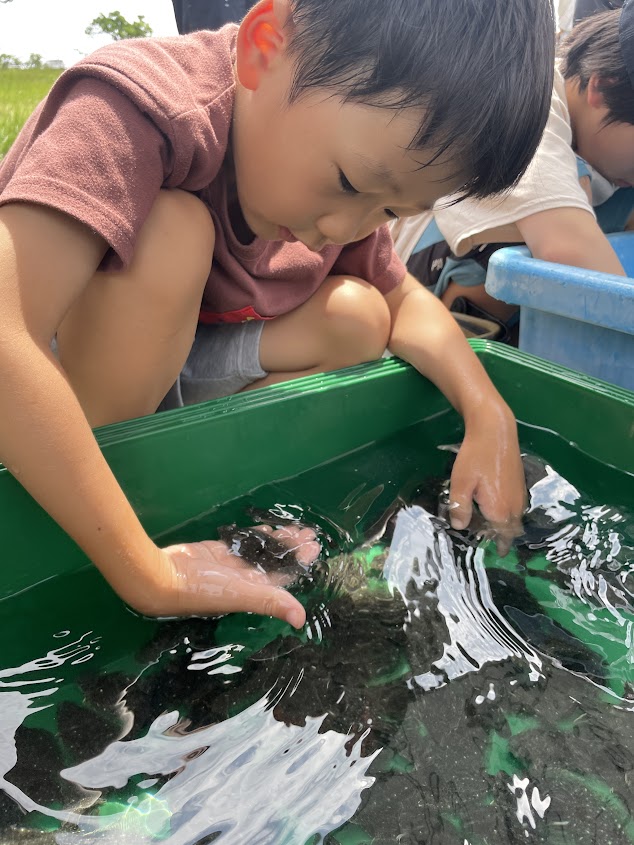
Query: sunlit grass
(20,92)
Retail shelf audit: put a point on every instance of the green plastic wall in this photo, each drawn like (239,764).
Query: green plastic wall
(178,465)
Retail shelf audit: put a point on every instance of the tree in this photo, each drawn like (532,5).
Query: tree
(117,27)
(34,61)
(8,61)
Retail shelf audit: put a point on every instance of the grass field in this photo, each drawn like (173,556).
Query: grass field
(20,92)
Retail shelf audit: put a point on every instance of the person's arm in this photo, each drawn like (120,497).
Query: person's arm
(569,236)
(488,468)
(46,259)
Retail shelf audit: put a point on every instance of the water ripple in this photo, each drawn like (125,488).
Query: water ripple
(422,555)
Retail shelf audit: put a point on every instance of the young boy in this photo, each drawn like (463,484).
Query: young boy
(565,202)
(251,170)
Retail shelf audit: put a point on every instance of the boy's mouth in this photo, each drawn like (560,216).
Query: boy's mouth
(286,235)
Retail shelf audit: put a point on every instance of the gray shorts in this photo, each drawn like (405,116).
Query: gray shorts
(224,358)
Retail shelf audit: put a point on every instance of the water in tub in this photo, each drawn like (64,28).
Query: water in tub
(438,694)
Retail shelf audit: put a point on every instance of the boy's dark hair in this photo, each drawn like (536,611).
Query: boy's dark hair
(593,47)
(482,70)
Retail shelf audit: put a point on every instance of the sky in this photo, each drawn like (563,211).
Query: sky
(55,28)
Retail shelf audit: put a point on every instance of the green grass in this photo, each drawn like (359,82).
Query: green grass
(20,92)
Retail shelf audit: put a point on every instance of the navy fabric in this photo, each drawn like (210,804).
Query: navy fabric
(192,15)
(585,8)
(613,214)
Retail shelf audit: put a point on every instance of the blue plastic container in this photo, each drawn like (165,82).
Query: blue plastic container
(578,318)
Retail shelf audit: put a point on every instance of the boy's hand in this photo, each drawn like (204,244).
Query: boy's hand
(205,579)
(489,470)
(488,467)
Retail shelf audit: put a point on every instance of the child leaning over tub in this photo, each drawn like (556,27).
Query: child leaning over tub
(216,204)
(568,197)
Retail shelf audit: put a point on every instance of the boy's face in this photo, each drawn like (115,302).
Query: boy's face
(609,148)
(322,171)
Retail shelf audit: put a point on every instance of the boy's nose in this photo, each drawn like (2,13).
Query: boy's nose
(340,229)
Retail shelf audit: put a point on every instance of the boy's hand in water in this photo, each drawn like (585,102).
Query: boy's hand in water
(205,579)
(488,469)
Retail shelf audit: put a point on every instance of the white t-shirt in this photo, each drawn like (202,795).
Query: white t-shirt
(551,181)
(564,14)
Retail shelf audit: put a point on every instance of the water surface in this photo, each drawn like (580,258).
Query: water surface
(438,693)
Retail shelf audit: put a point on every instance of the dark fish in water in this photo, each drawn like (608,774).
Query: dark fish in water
(85,732)
(512,597)
(261,550)
(27,836)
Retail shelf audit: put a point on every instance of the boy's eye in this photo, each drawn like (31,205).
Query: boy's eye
(346,184)
(390,214)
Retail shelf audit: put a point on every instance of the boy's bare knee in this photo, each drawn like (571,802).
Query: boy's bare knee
(358,319)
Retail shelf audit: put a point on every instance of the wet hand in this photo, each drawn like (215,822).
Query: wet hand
(488,470)
(206,579)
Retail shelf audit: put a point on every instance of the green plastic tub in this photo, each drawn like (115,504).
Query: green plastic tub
(177,466)
(345,446)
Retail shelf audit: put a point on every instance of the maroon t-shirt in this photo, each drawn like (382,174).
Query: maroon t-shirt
(145,114)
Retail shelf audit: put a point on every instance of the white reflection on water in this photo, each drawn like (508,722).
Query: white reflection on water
(21,697)
(589,545)
(525,806)
(250,778)
(422,553)
(551,494)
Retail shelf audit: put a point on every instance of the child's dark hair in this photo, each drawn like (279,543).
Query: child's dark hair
(593,47)
(482,70)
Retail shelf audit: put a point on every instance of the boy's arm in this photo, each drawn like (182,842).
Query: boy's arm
(488,467)
(46,259)
(569,236)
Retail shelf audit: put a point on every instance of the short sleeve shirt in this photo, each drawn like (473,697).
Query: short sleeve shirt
(141,115)
(551,181)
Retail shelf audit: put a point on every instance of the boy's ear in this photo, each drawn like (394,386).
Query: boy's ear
(261,39)
(594,95)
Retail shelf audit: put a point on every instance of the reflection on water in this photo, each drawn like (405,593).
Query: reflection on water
(438,694)
(422,567)
(318,781)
